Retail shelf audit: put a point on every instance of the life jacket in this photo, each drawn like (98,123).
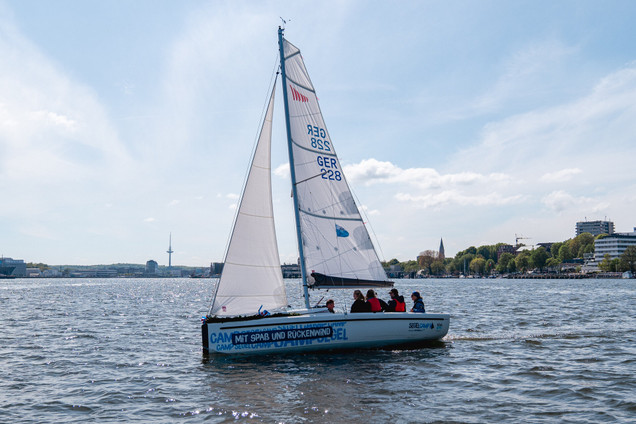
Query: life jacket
(375,304)
(399,306)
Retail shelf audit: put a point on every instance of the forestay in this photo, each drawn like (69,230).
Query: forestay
(252,276)
(336,243)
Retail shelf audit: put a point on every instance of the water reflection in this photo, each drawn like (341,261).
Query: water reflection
(315,384)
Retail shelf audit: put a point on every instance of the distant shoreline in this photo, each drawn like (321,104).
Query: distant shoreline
(612,276)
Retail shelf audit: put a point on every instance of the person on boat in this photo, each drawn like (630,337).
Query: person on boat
(418,302)
(359,305)
(330,304)
(397,303)
(375,304)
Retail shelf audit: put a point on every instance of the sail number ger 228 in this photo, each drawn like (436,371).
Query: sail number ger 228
(328,165)
(318,140)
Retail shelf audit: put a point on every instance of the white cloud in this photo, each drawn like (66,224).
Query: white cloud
(545,139)
(452,197)
(282,171)
(370,171)
(560,201)
(560,176)
(54,130)
(369,212)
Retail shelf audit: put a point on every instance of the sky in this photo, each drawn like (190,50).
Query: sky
(124,122)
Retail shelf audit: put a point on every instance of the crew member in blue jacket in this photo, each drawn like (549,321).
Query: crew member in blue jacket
(418,302)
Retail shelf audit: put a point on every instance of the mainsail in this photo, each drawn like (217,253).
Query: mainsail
(252,278)
(336,245)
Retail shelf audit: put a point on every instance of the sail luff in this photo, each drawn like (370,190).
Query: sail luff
(252,278)
(292,169)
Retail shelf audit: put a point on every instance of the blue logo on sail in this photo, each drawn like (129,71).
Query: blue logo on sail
(341,232)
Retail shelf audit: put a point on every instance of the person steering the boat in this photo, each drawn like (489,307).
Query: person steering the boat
(397,303)
(330,305)
(418,302)
(359,305)
(375,304)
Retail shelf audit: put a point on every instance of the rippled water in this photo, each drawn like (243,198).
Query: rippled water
(118,350)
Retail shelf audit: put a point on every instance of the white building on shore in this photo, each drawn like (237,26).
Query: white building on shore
(594,227)
(613,245)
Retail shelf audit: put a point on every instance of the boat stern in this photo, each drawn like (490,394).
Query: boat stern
(204,337)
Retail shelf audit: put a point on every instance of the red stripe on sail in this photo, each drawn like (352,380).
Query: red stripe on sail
(297,95)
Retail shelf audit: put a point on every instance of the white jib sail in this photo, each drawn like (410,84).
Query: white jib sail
(252,276)
(335,240)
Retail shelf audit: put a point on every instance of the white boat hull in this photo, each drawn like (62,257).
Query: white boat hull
(323,331)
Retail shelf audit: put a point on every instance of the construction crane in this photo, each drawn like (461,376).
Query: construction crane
(520,237)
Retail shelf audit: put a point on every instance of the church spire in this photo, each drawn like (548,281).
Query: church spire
(441,249)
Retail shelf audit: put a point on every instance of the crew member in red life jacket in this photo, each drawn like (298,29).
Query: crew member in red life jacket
(377,305)
(396,304)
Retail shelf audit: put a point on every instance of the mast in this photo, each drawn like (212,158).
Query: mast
(303,270)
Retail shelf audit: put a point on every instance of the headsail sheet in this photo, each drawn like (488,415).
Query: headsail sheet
(335,241)
(252,276)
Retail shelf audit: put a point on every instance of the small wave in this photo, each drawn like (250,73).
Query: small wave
(60,406)
(528,338)
(80,336)
(587,360)
(455,338)
(541,368)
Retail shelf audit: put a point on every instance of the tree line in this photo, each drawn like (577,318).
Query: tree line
(501,258)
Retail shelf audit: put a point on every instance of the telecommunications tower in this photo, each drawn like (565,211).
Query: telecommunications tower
(170,252)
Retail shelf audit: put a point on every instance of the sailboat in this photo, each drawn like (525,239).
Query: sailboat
(249,312)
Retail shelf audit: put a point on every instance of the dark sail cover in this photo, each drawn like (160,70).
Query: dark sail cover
(322,280)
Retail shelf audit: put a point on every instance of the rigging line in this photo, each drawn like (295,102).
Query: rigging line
(254,266)
(301,85)
(272,84)
(310,178)
(321,152)
(257,216)
(318,303)
(297,52)
(303,114)
(332,218)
